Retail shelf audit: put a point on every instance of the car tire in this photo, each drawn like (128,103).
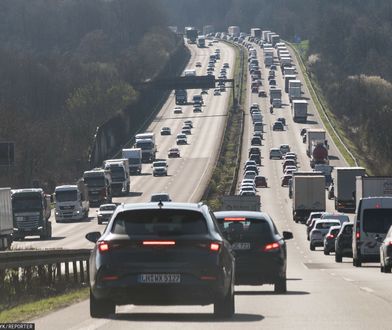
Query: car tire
(387,269)
(225,307)
(280,285)
(382,269)
(99,222)
(326,252)
(100,308)
(357,262)
(312,248)
(338,257)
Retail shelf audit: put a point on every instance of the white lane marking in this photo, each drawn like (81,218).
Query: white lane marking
(333,274)
(348,279)
(366,289)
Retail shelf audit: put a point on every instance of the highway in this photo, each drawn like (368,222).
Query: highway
(321,293)
(187,177)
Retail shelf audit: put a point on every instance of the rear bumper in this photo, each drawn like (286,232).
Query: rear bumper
(191,291)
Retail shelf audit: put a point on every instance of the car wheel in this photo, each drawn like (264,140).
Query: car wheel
(281,285)
(338,257)
(387,269)
(357,262)
(326,252)
(382,269)
(101,307)
(225,308)
(312,248)
(99,222)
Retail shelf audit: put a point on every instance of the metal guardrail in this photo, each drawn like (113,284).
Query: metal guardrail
(310,86)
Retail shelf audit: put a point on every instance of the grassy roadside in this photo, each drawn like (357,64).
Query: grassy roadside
(31,310)
(323,109)
(225,171)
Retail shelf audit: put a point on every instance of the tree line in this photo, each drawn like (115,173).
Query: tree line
(350,52)
(66,67)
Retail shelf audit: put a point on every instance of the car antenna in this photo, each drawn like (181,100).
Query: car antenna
(160,204)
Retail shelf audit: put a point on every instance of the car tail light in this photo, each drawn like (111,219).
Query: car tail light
(357,234)
(271,247)
(159,243)
(103,246)
(208,278)
(390,243)
(215,247)
(110,278)
(330,236)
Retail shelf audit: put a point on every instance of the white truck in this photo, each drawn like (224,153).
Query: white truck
(134,156)
(344,179)
(264,35)
(268,56)
(146,142)
(255,33)
(119,170)
(71,202)
(6,220)
(295,91)
(312,135)
(299,110)
(308,195)
(289,70)
(372,186)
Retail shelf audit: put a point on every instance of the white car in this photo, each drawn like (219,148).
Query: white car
(177,110)
(335,216)
(320,229)
(159,168)
(250,175)
(250,162)
(247,191)
(105,212)
(189,123)
(290,168)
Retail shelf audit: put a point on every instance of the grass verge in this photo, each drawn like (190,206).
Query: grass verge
(226,168)
(323,109)
(30,310)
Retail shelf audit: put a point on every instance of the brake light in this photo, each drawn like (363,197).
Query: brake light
(159,243)
(358,235)
(103,246)
(214,247)
(110,278)
(390,243)
(330,236)
(271,247)
(208,278)
(378,205)
(234,219)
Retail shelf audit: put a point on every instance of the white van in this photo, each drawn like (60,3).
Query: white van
(373,219)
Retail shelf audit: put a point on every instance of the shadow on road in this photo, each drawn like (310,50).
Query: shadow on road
(135,194)
(311,122)
(268,293)
(186,317)
(333,157)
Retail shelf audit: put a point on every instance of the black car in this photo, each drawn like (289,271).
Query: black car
(256,158)
(386,253)
(260,251)
(256,141)
(343,242)
(254,150)
(278,126)
(161,254)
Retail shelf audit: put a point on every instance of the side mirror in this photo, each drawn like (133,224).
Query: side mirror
(93,236)
(287,235)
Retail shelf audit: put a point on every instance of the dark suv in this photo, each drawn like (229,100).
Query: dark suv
(260,251)
(161,254)
(343,242)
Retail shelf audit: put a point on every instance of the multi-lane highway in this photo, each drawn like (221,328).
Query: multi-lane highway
(187,176)
(321,294)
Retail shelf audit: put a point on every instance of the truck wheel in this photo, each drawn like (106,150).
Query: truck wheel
(225,307)
(312,248)
(338,257)
(357,262)
(280,285)
(100,308)
(326,252)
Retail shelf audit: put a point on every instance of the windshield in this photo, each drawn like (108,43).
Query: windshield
(95,182)
(246,228)
(377,220)
(159,222)
(159,164)
(144,145)
(107,207)
(66,196)
(26,203)
(117,172)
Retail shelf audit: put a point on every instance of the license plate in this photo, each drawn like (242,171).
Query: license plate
(241,246)
(160,278)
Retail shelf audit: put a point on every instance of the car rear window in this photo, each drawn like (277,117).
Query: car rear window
(326,225)
(377,220)
(158,222)
(235,227)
